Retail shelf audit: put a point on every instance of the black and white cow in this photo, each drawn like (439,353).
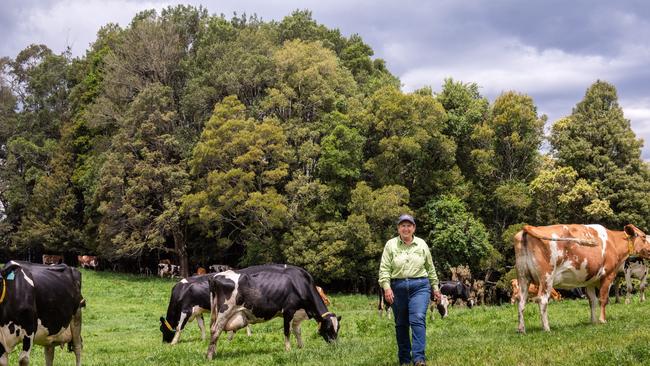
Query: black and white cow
(189,300)
(260,293)
(216,268)
(39,304)
(169,270)
(632,267)
(456,290)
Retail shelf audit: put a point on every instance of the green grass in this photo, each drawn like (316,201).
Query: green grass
(120,327)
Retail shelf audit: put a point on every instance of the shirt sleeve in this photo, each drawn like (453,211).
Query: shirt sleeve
(385,267)
(431,269)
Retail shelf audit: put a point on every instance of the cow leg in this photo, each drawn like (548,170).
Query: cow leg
(248,331)
(200,322)
(642,286)
(218,322)
(617,289)
(49,355)
(3,358)
(179,328)
(523,297)
(23,359)
(298,318)
(75,330)
(628,285)
(287,317)
(543,294)
(593,302)
(605,284)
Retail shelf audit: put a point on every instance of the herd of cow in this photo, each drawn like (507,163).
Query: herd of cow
(41,303)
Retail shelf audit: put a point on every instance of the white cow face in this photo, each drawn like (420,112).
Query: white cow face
(329,328)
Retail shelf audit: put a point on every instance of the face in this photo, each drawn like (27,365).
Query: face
(329,328)
(642,245)
(406,229)
(167,334)
(641,242)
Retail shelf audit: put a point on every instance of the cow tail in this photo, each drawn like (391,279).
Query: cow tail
(524,240)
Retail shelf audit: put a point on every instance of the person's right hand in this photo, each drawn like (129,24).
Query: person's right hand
(388,295)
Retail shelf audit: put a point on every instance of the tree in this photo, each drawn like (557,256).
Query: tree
(506,158)
(466,109)
(142,182)
(454,235)
(239,165)
(599,144)
(406,146)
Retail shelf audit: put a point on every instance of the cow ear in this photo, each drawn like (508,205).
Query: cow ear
(338,318)
(629,230)
(162,319)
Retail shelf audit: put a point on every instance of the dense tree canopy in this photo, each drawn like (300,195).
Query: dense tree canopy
(203,139)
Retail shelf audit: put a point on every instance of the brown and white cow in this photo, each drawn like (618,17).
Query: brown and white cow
(88,261)
(532,288)
(568,256)
(52,259)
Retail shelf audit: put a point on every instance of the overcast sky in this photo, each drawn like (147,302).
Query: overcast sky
(551,50)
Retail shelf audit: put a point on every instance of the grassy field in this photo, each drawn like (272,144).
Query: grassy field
(120,327)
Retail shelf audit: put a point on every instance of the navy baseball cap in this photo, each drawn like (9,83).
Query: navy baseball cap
(406,217)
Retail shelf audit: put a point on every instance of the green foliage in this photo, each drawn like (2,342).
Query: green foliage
(239,164)
(247,142)
(142,180)
(455,236)
(598,143)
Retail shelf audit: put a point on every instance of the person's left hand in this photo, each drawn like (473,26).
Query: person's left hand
(437,295)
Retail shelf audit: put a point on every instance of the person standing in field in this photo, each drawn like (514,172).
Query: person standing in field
(408,278)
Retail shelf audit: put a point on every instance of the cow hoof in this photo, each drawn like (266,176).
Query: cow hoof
(521,331)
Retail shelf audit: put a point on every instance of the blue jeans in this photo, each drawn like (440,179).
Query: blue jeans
(410,310)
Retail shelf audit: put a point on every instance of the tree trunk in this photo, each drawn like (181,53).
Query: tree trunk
(181,251)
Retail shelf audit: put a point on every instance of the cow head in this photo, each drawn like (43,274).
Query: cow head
(443,305)
(638,242)
(167,331)
(328,328)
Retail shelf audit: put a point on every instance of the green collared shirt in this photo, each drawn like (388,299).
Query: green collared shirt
(406,261)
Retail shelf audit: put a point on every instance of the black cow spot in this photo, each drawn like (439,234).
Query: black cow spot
(17,332)
(223,308)
(12,328)
(26,343)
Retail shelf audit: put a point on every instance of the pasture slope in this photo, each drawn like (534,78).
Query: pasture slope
(120,327)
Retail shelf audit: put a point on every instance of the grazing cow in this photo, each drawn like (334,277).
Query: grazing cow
(568,256)
(216,268)
(532,288)
(189,300)
(39,304)
(632,267)
(260,293)
(170,270)
(88,261)
(456,290)
(52,259)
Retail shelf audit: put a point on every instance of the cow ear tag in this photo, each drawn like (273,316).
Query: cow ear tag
(11,276)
